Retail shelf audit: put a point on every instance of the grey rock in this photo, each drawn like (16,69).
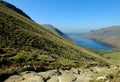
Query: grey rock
(67,77)
(54,79)
(13,78)
(29,74)
(33,79)
(26,77)
(76,71)
(48,74)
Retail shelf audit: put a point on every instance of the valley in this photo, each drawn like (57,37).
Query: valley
(86,42)
(32,52)
(109,35)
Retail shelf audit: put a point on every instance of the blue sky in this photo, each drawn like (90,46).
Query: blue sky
(72,15)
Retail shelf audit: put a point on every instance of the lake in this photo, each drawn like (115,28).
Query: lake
(90,43)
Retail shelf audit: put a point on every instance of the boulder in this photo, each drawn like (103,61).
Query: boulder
(13,78)
(31,77)
(76,71)
(101,78)
(67,76)
(105,77)
(26,77)
(48,74)
(54,79)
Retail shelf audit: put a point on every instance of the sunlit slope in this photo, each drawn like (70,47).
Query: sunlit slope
(113,57)
(12,7)
(24,42)
(53,29)
(110,35)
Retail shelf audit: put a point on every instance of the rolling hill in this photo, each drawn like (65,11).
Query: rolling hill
(109,35)
(23,42)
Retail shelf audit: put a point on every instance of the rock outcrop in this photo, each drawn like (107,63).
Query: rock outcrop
(26,77)
(72,75)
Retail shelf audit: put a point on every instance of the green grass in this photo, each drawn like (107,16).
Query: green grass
(100,52)
(113,57)
(24,42)
(18,32)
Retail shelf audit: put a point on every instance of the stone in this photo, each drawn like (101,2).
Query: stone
(26,77)
(33,79)
(76,71)
(67,77)
(54,79)
(13,78)
(48,74)
(66,68)
(101,78)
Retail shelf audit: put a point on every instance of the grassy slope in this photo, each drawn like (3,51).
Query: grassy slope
(50,28)
(23,41)
(14,8)
(56,31)
(113,57)
(110,35)
(53,29)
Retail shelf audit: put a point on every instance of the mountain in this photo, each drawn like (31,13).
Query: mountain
(14,8)
(26,45)
(55,30)
(109,35)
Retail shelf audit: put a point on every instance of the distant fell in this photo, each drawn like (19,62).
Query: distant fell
(109,35)
(55,30)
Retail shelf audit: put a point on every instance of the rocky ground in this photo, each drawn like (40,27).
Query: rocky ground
(92,74)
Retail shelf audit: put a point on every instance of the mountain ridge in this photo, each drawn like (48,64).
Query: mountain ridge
(56,31)
(109,35)
(14,8)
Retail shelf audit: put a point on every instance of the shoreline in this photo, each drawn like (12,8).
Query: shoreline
(101,43)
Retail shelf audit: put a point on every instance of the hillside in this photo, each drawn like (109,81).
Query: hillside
(109,35)
(55,30)
(14,8)
(113,57)
(26,43)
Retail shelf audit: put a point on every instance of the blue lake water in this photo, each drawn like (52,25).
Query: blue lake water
(90,43)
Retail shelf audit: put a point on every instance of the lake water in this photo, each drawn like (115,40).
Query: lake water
(90,43)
